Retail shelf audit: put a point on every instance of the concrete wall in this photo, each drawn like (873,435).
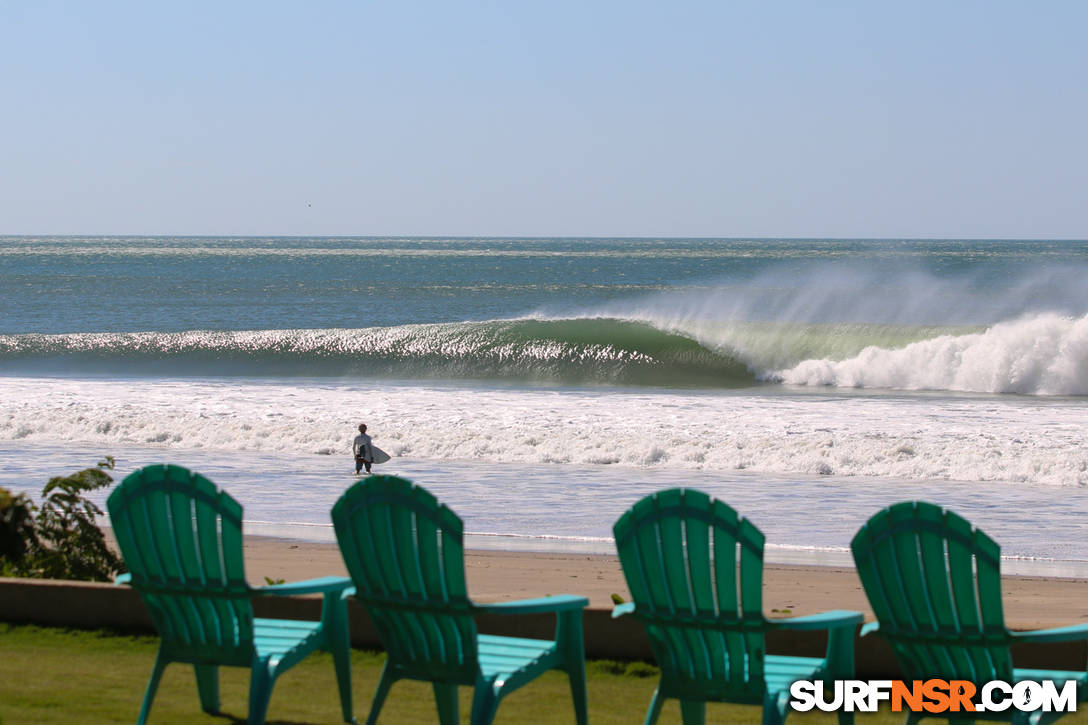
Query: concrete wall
(89,605)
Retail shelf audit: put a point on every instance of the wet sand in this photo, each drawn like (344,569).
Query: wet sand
(1030,602)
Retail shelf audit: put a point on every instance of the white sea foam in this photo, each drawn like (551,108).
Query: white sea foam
(921,437)
(1039,355)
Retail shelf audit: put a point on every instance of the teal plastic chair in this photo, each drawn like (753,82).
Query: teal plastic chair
(695,572)
(181,539)
(934,583)
(405,554)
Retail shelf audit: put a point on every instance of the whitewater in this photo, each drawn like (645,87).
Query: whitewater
(959,438)
(541,386)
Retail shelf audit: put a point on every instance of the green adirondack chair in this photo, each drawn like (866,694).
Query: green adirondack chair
(703,611)
(934,583)
(405,553)
(181,539)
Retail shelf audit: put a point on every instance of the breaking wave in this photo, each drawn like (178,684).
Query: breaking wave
(1042,354)
(572,351)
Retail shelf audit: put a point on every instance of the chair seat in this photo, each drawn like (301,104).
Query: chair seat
(1019,675)
(780,672)
(501,657)
(276,637)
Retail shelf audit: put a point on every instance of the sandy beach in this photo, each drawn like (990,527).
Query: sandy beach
(1030,602)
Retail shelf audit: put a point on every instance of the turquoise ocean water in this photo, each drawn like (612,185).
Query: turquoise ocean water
(540,386)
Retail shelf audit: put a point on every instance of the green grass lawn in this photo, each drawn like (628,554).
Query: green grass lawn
(74,676)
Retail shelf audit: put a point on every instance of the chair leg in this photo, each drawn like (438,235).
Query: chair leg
(207,684)
(446,698)
(485,702)
(774,708)
(568,634)
(656,703)
(578,692)
(152,686)
(340,645)
(384,683)
(260,692)
(693,712)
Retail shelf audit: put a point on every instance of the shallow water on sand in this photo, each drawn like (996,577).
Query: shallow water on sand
(807,520)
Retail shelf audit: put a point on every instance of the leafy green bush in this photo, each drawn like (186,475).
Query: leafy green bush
(642,669)
(59,539)
(17,535)
(634,668)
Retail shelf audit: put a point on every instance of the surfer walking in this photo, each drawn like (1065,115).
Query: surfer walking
(363,450)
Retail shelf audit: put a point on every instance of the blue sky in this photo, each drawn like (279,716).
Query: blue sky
(730,119)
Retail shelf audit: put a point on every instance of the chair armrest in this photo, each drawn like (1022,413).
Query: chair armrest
(558,603)
(120,579)
(824,620)
(1057,634)
(621,609)
(321,585)
(869,628)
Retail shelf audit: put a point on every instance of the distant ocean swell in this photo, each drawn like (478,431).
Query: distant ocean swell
(1043,354)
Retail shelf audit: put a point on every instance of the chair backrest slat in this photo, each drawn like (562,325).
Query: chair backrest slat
(182,540)
(750,553)
(695,572)
(934,584)
(697,538)
(675,550)
(905,553)
(405,553)
(934,561)
(187,549)
(726,582)
(992,613)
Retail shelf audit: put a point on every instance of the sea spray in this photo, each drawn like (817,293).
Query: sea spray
(845,291)
(845,324)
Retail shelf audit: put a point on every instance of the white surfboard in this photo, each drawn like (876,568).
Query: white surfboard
(380,456)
